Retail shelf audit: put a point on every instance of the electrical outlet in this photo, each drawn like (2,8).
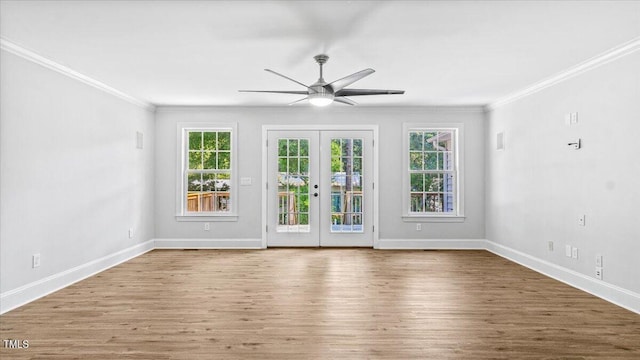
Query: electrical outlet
(581,220)
(35,260)
(598,272)
(418,227)
(574,253)
(550,245)
(130,233)
(567,250)
(599,260)
(207,227)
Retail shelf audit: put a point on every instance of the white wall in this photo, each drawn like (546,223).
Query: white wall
(538,187)
(250,121)
(72,181)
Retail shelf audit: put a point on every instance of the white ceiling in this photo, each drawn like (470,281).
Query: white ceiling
(202,52)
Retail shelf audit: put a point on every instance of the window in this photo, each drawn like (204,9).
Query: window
(207,179)
(432,172)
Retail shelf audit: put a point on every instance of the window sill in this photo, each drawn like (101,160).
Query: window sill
(433,219)
(211,218)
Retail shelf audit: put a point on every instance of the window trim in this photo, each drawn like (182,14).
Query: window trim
(458,215)
(182,159)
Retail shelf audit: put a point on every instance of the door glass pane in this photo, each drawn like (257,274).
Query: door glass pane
(293,185)
(346,185)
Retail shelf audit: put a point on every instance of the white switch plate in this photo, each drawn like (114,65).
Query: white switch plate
(581,220)
(573,118)
(598,273)
(35,260)
(130,233)
(418,227)
(207,227)
(574,253)
(567,250)
(550,245)
(599,260)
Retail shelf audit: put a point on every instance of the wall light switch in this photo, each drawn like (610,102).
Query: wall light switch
(139,140)
(574,118)
(35,260)
(599,260)
(574,253)
(567,250)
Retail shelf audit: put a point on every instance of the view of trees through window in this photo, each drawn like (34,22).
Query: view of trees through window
(208,173)
(431,171)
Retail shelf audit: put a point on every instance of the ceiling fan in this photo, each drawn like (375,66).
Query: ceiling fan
(322,93)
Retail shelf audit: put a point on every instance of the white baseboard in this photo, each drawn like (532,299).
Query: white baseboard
(208,243)
(611,293)
(431,244)
(12,299)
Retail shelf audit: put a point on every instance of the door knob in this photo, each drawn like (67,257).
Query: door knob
(315,186)
(315,194)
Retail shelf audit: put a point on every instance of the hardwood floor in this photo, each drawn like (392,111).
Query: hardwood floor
(321,304)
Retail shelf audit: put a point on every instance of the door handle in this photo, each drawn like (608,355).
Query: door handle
(315,194)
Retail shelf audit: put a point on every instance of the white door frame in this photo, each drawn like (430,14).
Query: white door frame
(265,133)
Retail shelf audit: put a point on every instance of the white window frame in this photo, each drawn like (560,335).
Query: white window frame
(182,143)
(458,214)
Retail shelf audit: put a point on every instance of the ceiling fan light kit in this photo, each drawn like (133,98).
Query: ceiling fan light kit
(322,93)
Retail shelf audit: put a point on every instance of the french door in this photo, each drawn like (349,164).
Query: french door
(319,188)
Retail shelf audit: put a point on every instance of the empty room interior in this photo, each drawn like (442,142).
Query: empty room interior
(319,179)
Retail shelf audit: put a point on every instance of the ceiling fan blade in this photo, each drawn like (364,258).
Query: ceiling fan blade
(344,100)
(277,92)
(348,80)
(297,101)
(359,92)
(288,78)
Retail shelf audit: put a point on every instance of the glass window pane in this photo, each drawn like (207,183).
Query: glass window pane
(415,160)
(429,139)
(347,147)
(282,165)
(194,182)
(445,140)
(447,160)
(417,182)
(433,183)
(223,182)
(209,160)
(293,166)
(416,202)
(433,202)
(224,140)
(282,147)
(195,160)
(415,141)
(224,160)
(357,165)
(304,166)
(195,140)
(293,147)
(208,182)
(304,147)
(357,147)
(430,160)
(209,140)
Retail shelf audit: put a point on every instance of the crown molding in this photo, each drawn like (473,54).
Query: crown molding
(50,64)
(590,64)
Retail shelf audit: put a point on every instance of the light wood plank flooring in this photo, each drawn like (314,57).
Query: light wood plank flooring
(321,304)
